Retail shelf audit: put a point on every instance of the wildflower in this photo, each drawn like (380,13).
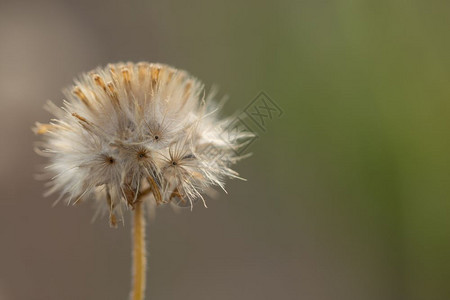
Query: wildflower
(132,134)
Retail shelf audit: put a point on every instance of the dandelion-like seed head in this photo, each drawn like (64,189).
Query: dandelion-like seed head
(133,130)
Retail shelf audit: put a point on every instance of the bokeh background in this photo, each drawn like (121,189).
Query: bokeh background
(348,192)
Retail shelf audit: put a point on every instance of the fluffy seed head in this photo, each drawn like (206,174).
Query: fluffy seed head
(133,130)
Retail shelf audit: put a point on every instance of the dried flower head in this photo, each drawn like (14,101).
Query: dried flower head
(133,130)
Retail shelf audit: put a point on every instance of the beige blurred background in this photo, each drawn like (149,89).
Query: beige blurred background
(348,193)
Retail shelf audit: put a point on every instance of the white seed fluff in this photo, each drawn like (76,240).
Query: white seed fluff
(131,130)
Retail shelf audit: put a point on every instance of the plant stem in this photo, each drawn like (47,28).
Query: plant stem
(139,254)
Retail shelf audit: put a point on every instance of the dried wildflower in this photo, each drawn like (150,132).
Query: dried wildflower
(132,134)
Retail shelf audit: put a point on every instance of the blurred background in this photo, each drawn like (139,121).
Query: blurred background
(348,192)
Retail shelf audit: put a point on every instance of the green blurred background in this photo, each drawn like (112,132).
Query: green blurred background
(348,193)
